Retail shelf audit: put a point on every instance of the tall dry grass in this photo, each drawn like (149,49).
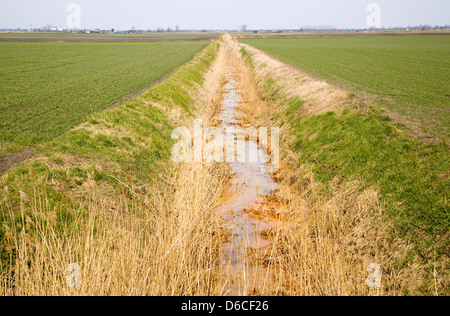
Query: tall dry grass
(165,242)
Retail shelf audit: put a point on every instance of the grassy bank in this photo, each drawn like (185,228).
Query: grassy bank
(48,88)
(362,144)
(97,196)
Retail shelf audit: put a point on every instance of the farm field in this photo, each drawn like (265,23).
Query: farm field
(410,73)
(48,88)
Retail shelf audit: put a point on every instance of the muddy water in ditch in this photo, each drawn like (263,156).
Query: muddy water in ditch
(246,210)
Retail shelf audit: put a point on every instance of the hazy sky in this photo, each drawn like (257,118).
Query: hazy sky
(222,14)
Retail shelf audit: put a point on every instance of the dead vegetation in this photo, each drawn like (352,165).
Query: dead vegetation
(320,97)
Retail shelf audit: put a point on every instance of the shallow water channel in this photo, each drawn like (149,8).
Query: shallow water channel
(252,184)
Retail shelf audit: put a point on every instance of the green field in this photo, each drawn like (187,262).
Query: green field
(412,73)
(48,88)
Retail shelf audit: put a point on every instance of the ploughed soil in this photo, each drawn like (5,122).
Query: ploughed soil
(7,160)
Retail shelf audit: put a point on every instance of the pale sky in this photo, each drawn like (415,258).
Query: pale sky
(222,14)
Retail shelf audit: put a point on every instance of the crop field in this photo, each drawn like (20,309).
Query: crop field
(48,88)
(411,73)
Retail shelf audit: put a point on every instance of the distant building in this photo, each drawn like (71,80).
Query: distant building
(52,28)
